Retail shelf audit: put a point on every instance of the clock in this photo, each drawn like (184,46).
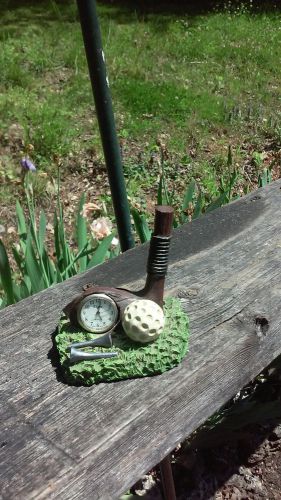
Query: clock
(97,313)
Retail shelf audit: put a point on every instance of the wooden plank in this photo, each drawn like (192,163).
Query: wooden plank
(226,268)
(23,444)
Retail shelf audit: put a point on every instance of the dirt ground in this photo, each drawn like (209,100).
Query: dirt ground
(249,469)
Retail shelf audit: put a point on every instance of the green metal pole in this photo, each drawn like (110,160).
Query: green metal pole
(97,69)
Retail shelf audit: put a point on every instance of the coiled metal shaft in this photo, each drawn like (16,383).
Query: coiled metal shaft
(158,255)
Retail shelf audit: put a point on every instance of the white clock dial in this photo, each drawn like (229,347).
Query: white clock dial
(97,313)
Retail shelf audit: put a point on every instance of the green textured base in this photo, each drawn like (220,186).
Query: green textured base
(134,360)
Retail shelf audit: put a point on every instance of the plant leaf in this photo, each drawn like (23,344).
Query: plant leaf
(21,221)
(189,195)
(50,268)
(264,178)
(2,303)
(141,226)
(24,291)
(162,192)
(17,292)
(81,233)
(27,283)
(198,207)
(229,156)
(218,202)
(22,230)
(159,191)
(101,251)
(187,200)
(6,275)
(33,269)
(42,231)
(18,258)
(71,268)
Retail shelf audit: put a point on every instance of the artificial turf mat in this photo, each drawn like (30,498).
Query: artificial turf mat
(134,360)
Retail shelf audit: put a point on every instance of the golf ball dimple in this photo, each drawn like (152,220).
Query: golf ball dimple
(143,320)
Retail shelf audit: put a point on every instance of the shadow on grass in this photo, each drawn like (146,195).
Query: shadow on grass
(159,13)
(191,7)
(48,9)
(187,7)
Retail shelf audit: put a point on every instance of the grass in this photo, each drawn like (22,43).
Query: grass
(194,79)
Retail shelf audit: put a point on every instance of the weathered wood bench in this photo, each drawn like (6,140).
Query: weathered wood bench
(76,442)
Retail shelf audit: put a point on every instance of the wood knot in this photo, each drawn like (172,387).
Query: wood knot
(188,293)
(255,198)
(262,326)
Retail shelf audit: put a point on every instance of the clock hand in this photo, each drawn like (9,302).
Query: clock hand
(98,314)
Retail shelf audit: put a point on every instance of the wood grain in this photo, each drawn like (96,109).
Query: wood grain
(90,443)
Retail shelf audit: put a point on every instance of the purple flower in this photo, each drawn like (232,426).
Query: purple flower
(27,164)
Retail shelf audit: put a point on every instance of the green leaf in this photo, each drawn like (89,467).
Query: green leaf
(6,275)
(70,259)
(31,210)
(218,202)
(264,178)
(50,268)
(198,207)
(230,185)
(42,231)
(188,197)
(62,249)
(18,258)
(176,223)
(71,269)
(229,156)
(141,226)
(27,283)
(57,241)
(66,252)
(269,176)
(33,269)
(162,192)
(159,192)
(233,179)
(63,255)
(22,230)
(58,275)
(81,233)
(187,200)
(101,251)
(24,291)
(21,220)
(17,292)
(39,244)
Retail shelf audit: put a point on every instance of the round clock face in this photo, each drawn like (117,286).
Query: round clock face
(97,313)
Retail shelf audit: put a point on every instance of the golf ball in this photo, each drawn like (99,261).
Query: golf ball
(143,320)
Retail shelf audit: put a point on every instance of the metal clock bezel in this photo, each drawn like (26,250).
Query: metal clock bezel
(87,299)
